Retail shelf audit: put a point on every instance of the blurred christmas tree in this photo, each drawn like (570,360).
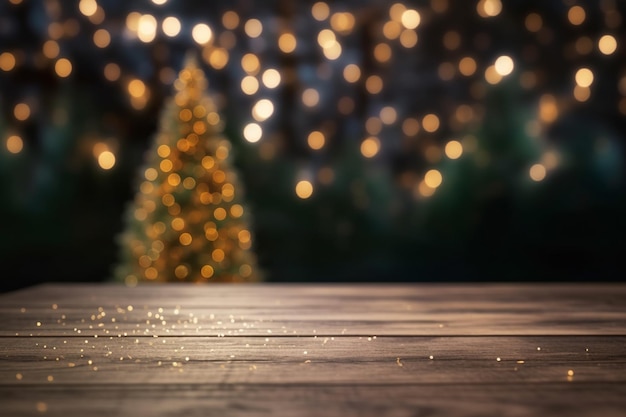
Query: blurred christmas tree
(187,222)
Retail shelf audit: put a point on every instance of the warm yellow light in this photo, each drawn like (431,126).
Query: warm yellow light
(548,109)
(433,178)
(101,38)
(396,10)
(230,20)
(310,97)
(171,26)
(382,52)
(454,149)
(537,172)
(320,11)
(373,125)
(333,52)
(207,271)
(504,65)
(352,73)
(392,30)
(388,115)
(342,22)
(424,190)
(252,132)
(166,165)
(410,19)
(467,66)
(430,122)
(326,38)
(51,50)
(489,8)
(550,159)
(218,58)
(202,33)
(21,111)
(271,78)
(584,77)
(249,85)
(304,189)
(218,255)
(151,174)
(136,88)
(374,84)
(159,2)
(14,144)
(151,273)
(63,67)
(219,213)
(173,179)
(370,147)
(185,239)
(106,160)
(576,15)
(250,63)
(178,224)
(492,76)
(410,127)
(262,110)
(236,211)
(533,22)
(7,61)
(408,38)
(253,28)
(112,71)
(287,42)
(184,115)
(607,44)
(316,140)
(88,7)
(582,93)
(181,271)
(146,28)
(208,162)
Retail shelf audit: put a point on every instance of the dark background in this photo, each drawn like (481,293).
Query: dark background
(61,213)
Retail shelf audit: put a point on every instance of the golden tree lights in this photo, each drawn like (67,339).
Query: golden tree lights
(187,222)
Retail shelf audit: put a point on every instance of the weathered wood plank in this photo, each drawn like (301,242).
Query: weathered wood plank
(349,360)
(304,350)
(304,295)
(248,310)
(189,400)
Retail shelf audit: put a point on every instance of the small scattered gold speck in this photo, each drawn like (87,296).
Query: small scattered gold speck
(431,357)
(498,359)
(19,377)
(50,378)
(570,373)
(398,362)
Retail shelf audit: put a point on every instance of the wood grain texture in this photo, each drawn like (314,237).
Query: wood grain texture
(308,350)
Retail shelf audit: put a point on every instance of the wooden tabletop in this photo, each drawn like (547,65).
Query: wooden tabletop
(314,350)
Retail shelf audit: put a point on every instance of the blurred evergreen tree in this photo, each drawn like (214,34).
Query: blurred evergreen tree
(188,221)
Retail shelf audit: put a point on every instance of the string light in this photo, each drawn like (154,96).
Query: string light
(304,189)
(202,33)
(171,26)
(14,144)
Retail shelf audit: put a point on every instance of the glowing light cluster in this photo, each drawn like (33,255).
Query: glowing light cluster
(199,233)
